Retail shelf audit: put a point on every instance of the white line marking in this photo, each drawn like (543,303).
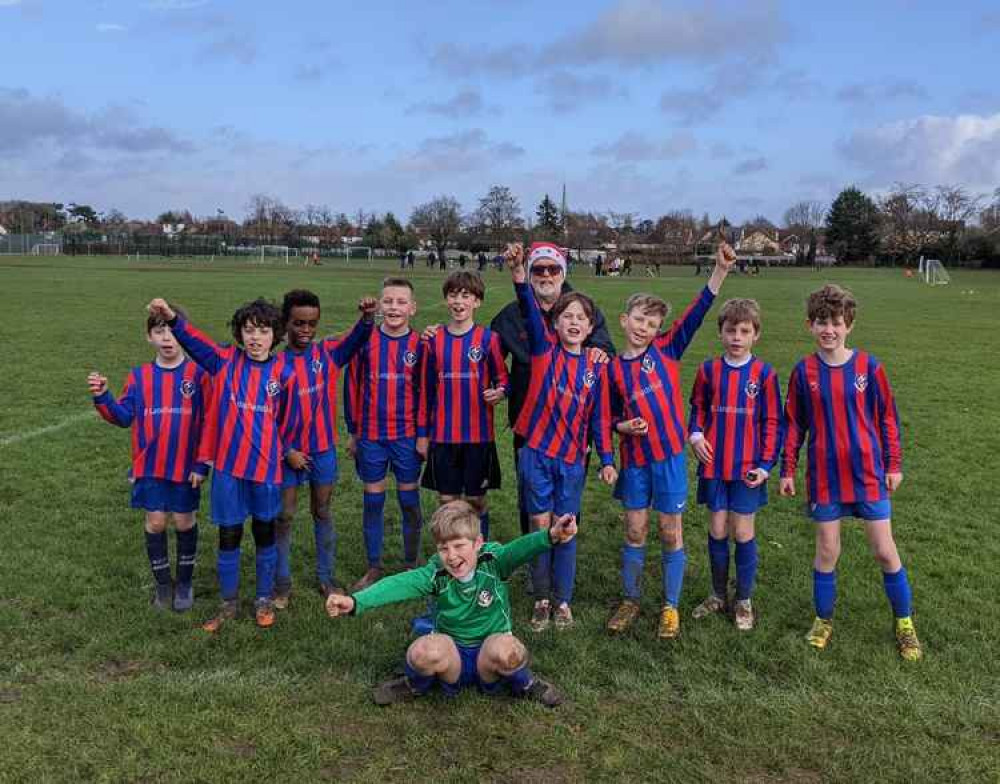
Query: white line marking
(15,438)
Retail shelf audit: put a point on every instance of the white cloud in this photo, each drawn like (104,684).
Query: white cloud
(961,150)
(633,147)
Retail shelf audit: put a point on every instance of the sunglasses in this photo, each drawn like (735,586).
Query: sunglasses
(546,270)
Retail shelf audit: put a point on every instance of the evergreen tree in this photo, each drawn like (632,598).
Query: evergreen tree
(852,226)
(547,216)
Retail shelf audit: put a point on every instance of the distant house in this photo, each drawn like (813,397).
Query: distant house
(758,241)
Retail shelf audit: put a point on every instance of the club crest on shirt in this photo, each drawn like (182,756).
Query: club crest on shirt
(273,388)
(188,388)
(647,365)
(861,382)
(589,379)
(813,386)
(484,599)
(751,388)
(316,365)
(475,353)
(410,358)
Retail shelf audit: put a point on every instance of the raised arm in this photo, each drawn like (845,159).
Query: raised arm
(342,350)
(199,346)
(118,412)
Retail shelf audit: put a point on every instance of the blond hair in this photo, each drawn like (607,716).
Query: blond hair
(736,311)
(454,520)
(649,304)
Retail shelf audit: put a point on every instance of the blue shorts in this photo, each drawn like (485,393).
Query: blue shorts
(549,484)
(234,500)
(322,470)
(469,676)
(374,458)
(866,510)
(162,495)
(662,484)
(731,495)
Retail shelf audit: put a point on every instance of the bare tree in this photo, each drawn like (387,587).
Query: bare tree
(499,215)
(956,207)
(440,219)
(805,215)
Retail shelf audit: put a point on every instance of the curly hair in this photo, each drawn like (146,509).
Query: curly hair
(297,298)
(260,313)
(830,302)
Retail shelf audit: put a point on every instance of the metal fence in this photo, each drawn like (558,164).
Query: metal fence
(45,244)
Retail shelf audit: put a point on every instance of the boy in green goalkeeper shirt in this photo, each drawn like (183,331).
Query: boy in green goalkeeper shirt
(472,643)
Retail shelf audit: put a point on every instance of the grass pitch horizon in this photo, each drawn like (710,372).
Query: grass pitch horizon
(94,685)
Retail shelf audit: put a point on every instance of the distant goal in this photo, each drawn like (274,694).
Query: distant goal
(932,271)
(46,249)
(270,253)
(359,253)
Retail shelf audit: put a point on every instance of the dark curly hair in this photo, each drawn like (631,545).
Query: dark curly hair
(260,313)
(568,298)
(297,298)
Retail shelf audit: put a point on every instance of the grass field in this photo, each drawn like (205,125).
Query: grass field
(96,686)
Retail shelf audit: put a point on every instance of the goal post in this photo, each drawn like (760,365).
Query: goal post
(281,252)
(359,251)
(935,273)
(46,249)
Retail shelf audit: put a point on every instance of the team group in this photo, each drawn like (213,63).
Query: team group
(422,405)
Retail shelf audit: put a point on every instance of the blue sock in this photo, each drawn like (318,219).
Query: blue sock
(159,558)
(373,522)
(718,556)
(187,553)
(897,588)
(673,575)
(484,525)
(824,593)
(326,548)
(413,523)
(265,560)
(633,562)
(541,575)
(564,570)
(519,680)
(228,565)
(746,568)
(421,684)
(283,543)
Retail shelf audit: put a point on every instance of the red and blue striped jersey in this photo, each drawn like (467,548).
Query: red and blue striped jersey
(850,415)
(248,427)
(568,395)
(738,410)
(457,369)
(649,386)
(383,398)
(165,407)
(317,372)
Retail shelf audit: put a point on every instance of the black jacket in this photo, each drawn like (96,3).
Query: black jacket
(510,326)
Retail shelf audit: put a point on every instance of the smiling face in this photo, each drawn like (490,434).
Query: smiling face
(397,307)
(302,324)
(738,339)
(573,326)
(830,333)
(460,555)
(163,340)
(640,327)
(257,339)
(462,305)
(547,278)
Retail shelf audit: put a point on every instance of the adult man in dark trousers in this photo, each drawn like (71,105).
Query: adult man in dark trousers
(548,280)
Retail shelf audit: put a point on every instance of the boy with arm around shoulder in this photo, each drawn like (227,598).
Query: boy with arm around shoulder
(472,643)
(841,399)
(734,429)
(164,404)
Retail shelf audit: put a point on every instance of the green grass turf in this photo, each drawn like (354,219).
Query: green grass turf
(96,686)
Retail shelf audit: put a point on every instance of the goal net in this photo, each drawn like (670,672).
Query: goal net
(46,249)
(277,252)
(935,273)
(359,252)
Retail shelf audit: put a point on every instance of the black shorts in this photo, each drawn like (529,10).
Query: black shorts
(462,469)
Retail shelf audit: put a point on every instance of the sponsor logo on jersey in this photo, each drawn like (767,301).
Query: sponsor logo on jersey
(589,379)
(475,353)
(316,365)
(861,382)
(484,599)
(751,388)
(647,365)
(188,388)
(410,358)
(273,388)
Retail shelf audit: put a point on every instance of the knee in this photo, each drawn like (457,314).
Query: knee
(828,550)
(636,533)
(320,510)
(263,532)
(156,522)
(427,654)
(887,557)
(230,537)
(671,533)
(511,655)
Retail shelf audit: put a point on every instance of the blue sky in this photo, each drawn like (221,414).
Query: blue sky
(638,106)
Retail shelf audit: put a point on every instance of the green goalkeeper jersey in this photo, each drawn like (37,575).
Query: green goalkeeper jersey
(467,612)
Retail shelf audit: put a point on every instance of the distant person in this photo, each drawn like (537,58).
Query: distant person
(481,261)
(598,264)
(442,261)
(841,400)
(431,259)
(462,260)
(402,259)
(410,258)
(627,266)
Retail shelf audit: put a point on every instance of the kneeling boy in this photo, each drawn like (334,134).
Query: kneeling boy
(472,643)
